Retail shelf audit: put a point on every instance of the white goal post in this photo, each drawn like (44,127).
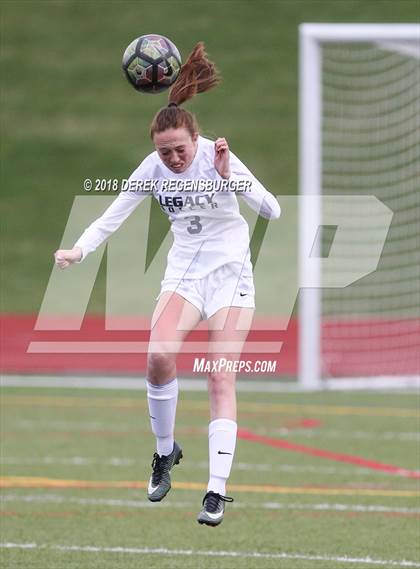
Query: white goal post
(359,135)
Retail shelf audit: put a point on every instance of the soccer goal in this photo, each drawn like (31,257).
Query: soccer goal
(360,136)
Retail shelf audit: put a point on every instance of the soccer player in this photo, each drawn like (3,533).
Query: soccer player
(208,275)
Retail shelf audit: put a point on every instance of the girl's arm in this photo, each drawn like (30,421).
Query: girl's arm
(256,196)
(100,229)
(113,217)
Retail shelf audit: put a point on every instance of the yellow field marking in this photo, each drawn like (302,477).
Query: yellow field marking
(126,403)
(37,482)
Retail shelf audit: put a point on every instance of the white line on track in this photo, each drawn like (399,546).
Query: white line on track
(136,383)
(201,553)
(394,384)
(49,498)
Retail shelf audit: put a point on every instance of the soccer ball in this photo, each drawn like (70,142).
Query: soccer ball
(151,63)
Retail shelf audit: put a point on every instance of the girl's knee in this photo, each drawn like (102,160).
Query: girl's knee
(220,382)
(160,367)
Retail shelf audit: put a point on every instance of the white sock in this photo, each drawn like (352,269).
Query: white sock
(222,442)
(162,400)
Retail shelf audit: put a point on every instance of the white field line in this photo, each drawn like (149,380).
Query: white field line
(139,384)
(393,384)
(118,462)
(337,434)
(27,424)
(146,504)
(203,553)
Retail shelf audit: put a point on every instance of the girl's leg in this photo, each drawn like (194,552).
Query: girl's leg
(172,320)
(226,342)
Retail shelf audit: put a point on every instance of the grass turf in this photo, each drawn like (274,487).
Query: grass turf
(104,436)
(68,114)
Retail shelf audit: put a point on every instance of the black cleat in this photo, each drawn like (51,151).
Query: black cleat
(160,481)
(213,509)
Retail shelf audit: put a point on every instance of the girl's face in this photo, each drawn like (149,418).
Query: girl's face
(176,148)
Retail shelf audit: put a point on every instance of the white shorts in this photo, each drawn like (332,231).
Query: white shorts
(222,288)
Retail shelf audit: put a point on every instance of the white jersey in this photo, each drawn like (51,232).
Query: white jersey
(206,223)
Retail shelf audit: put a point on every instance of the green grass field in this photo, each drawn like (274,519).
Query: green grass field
(68,114)
(312,511)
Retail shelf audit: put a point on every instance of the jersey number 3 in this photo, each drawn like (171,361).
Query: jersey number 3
(195,225)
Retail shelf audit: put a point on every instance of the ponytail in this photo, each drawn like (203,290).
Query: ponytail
(197,75)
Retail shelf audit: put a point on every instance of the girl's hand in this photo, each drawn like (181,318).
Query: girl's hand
(66,257)
(221,158)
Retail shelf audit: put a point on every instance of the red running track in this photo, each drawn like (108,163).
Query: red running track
(17,332)
(351,348)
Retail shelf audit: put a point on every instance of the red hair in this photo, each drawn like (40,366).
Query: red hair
(197,75)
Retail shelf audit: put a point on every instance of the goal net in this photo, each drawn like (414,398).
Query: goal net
(360,136)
